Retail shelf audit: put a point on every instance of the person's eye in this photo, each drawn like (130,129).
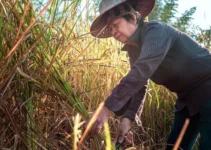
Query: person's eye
(117,25)
(110,28)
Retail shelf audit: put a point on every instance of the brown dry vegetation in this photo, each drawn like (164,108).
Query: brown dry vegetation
(51,69)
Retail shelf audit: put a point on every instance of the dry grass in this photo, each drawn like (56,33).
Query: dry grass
(52,69)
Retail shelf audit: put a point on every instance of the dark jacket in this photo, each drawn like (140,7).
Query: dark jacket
(168,57)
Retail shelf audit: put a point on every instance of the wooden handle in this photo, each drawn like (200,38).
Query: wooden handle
(184,128)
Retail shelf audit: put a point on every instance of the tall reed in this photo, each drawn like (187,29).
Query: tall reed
(52,69)
(39,66)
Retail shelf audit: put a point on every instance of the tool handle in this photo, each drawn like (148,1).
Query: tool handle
(118,145)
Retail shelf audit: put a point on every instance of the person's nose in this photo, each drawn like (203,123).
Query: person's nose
(113,31)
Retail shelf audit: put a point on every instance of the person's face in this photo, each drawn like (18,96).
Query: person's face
(121,29)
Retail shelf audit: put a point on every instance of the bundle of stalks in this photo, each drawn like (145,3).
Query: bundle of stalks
(38,99)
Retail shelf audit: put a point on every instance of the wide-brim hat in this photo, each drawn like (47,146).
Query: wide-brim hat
(99,25)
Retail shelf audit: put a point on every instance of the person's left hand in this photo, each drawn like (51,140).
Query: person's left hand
(124,136)
(101,118)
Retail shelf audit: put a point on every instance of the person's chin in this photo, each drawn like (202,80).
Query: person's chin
(122,40)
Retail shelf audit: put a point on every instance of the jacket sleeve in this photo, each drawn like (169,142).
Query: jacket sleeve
(133,108)
(136,105)
(156,43)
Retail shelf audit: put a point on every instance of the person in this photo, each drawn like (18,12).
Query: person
(166,56)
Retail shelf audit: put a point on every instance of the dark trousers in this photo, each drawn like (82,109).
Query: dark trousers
(200,123)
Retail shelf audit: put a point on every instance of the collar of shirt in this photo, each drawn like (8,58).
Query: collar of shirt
(134,39)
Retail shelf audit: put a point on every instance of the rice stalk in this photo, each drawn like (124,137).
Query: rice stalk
(109,145)
(67,72)
(76,131)
(27,30)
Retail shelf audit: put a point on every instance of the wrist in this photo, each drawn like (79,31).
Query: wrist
(127,120)
(107,111)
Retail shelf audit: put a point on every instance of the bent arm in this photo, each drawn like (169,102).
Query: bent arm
(133,106)
(156,43)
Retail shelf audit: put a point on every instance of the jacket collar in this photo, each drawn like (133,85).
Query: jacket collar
(135,38)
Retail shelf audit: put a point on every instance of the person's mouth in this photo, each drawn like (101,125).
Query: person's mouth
(118,37)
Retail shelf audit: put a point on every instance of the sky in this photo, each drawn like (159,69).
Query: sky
(202,16)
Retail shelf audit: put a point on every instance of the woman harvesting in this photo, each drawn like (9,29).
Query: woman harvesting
(163,54)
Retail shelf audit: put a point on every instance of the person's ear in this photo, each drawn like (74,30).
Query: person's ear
(134,19)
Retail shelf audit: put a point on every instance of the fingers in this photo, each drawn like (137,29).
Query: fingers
(123,131)
(118,137)
(97,125)
(121,138)
(128,139)
(96,121)
(86,123)
(124,136)
(96,128)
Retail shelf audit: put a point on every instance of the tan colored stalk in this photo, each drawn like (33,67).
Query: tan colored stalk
(182,133)
(27,29)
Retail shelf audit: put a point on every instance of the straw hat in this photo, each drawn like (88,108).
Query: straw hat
(99,25)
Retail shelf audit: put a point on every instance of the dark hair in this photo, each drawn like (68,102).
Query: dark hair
(117,11)
(128,17)
(126,8)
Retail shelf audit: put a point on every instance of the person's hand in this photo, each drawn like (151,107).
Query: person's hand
(98,119)
(124,135)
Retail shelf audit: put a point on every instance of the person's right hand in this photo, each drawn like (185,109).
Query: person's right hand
(99,121)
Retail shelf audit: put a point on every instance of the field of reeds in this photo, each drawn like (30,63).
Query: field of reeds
(53,73)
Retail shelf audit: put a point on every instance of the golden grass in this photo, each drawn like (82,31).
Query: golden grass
(52,69)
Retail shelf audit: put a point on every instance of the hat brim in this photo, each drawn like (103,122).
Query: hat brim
(99,25)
